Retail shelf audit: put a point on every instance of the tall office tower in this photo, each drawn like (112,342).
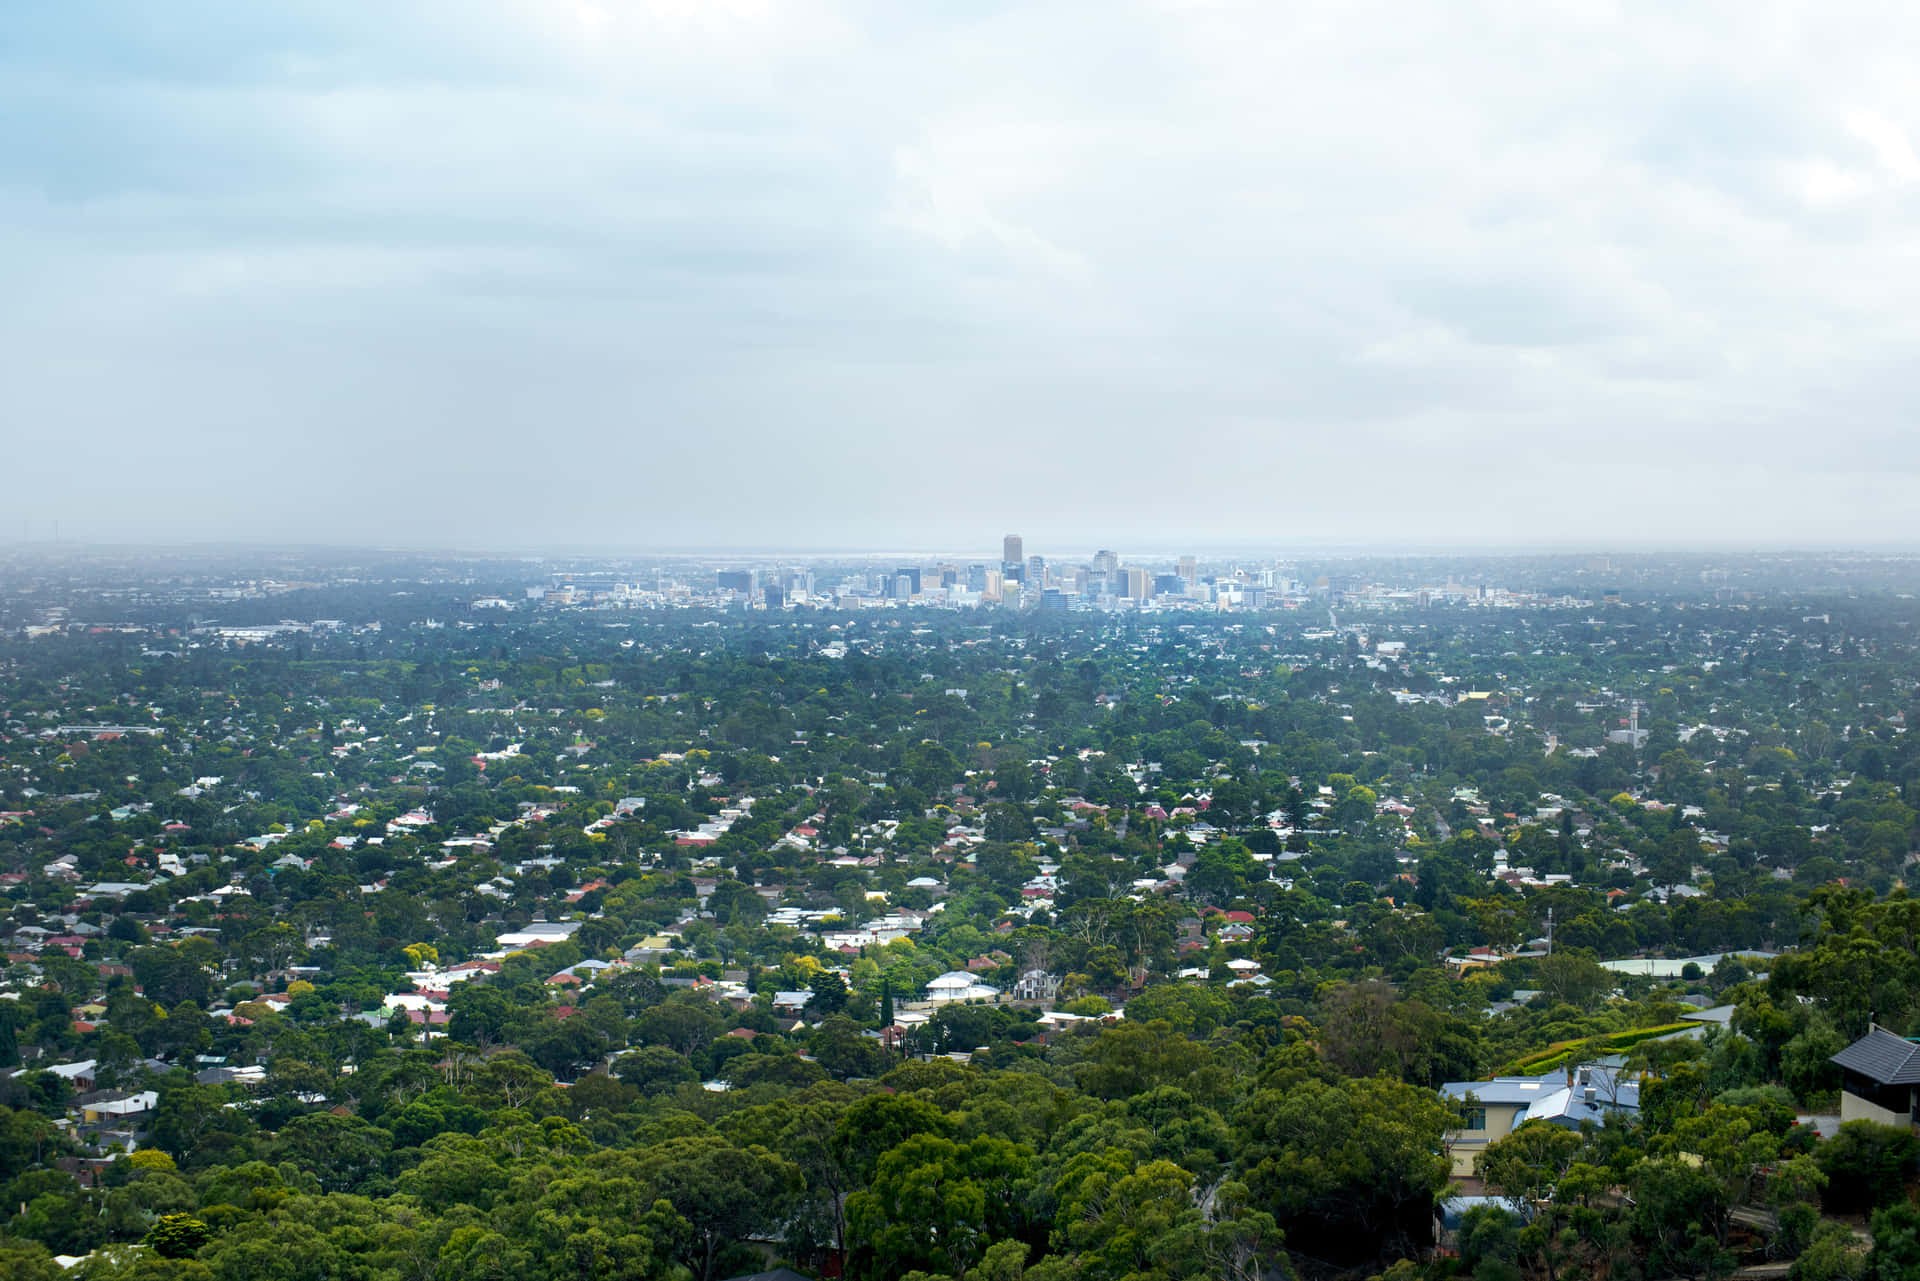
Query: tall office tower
(1105,562)
(1190,570)
(976,578)
(1013,566)
(994,588)
(1036,572)
(1139,585)
(912,574)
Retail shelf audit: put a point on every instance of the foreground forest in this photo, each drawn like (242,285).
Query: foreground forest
(441,943)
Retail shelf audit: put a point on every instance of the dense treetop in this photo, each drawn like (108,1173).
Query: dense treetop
(610,942)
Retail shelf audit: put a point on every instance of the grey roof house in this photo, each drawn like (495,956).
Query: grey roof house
(1880,1079)
(1496,1108)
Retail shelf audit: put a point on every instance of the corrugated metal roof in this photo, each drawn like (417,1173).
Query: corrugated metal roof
(1888,1059)
(1523,1090)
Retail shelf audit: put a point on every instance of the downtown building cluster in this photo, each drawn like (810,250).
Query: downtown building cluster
(1021,580)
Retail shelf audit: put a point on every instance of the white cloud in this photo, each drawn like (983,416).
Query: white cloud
(1249,256)
(1891,147)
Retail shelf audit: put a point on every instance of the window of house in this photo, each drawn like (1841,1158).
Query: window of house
(1476,1119)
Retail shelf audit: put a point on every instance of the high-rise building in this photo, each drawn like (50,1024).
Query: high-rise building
(1013,565)
(1105,562)
(1139,585)
(1036,572)
(1190,570)
(912,574)
(976,578)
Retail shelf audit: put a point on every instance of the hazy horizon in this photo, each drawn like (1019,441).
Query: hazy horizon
(730,274)
(1132,552)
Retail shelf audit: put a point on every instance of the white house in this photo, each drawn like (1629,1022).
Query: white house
(958,985)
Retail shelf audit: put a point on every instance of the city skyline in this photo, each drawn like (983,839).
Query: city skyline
(1105,582)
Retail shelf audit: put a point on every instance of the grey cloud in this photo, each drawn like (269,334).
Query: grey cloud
(741,271)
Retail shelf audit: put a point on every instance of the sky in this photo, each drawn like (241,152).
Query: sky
(678,273)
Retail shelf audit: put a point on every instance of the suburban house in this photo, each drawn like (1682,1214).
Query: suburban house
(1880,1079)
(958,985)
(120,1109)
(1494,1109)
(1036,985)
(80,1075)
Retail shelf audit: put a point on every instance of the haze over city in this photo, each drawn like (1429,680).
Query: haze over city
(503,274)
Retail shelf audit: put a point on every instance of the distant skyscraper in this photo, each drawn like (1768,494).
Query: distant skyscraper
(1139,585)
(1190,570)
(976,578)
(1036,572)
(1013,565)
(1105,562)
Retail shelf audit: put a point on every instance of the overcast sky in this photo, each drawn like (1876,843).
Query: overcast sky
(503,273)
